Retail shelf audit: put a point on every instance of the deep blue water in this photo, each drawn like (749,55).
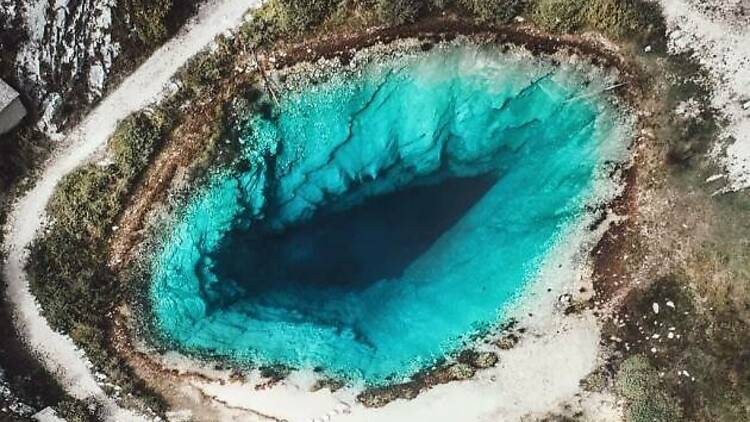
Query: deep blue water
(385,215)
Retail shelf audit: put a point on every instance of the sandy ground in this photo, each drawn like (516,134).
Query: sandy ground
(721,42)
(144,86)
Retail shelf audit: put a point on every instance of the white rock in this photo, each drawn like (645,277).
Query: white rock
(655,307)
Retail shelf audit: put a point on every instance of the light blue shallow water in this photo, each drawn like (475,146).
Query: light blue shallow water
(384,216)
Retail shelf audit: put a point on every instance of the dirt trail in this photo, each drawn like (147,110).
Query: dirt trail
(146,85)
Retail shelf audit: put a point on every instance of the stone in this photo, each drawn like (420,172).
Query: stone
(459,372)
(478,360)
(485,360)
(507,342)
(11,109)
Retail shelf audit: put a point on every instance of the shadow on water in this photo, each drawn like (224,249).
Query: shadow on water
(351,249)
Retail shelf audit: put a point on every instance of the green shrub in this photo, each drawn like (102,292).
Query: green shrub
(133,143)
(68,275)
(439,4)
(493,11)
(398,12)
(149,20)
(87,201)
(206,68)
(636,378)
(73,410)
(639,383)
(639,20)
(298,15)
(560,15)
(623,18)
(658,408)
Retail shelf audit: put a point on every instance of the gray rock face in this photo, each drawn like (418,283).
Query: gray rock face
(68,52)
(11,109)
(10,405)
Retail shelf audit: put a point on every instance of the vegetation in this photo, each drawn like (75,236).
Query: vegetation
(700,372)
(149,19)
(154,21)
(635,20)
(69,274)
(76,411)
(21,150)
(494,11)
(560,15)
(300,15)
(398,12)
(133,144)
(638,381)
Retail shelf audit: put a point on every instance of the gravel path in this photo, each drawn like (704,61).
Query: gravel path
(144,86)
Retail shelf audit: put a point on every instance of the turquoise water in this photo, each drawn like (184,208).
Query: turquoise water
(384,215)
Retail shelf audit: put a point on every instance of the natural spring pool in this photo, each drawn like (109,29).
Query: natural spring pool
(386,213)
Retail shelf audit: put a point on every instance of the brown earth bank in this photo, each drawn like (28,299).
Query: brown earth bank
(183,157)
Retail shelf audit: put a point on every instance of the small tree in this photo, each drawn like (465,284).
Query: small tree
(133,143)
(493,11)
(298,15)
(149,18)
(560,15)
(398,12)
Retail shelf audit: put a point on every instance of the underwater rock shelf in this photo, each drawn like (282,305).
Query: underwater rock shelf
(385,214)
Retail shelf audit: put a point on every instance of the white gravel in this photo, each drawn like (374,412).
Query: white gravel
(145,85)
(723,46)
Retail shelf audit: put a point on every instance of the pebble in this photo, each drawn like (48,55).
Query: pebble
(655,307)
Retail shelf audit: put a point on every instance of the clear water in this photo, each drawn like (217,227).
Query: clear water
(384,215)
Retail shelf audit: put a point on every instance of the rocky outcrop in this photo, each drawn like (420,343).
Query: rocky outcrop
(10,404)
(11,109)
(67,54)
(379,397)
